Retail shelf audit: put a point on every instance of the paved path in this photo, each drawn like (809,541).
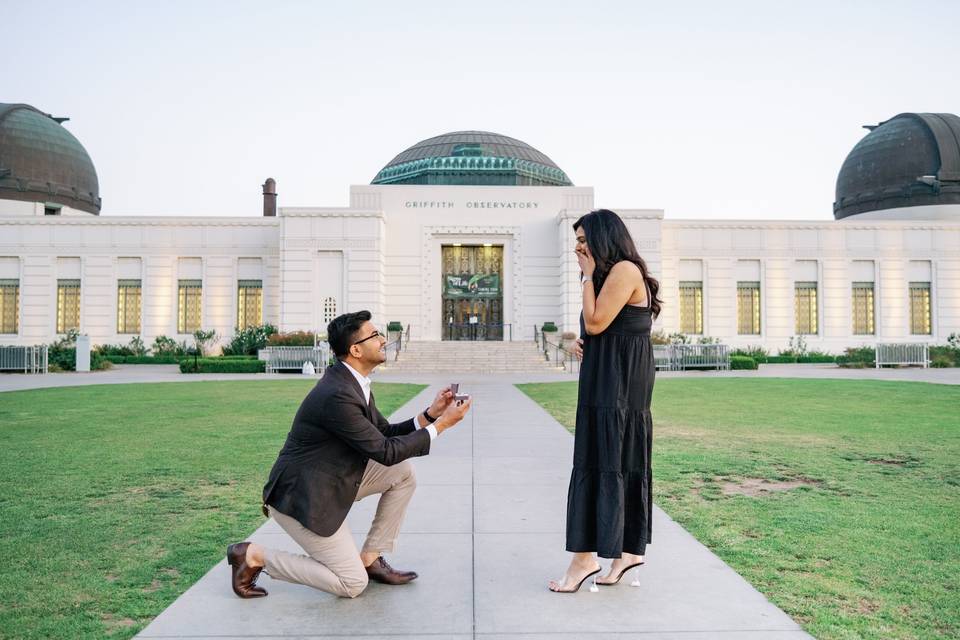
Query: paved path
(485,532)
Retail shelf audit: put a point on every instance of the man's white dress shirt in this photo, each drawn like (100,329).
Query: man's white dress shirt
(364,383)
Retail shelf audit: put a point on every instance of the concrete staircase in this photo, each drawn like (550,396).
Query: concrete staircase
(455,356)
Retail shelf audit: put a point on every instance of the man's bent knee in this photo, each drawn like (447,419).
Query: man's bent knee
(354,586)
(408,473)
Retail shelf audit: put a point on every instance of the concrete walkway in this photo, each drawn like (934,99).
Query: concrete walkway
(485,531)
(128,374)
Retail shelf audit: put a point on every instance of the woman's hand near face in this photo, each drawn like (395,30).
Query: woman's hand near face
(586,262)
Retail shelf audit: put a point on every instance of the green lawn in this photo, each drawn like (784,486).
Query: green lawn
(115,499)
(868,544)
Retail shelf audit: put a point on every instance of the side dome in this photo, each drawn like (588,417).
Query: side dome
(911,160)
(40,161)
(473,158)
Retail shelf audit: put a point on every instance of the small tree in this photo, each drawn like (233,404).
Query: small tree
(202,338)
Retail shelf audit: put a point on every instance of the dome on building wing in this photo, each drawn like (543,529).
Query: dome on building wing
(472,158)
(40,161)
(911,160)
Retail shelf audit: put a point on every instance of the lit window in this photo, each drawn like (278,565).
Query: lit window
(691,307)
(68,305)
(9,305)
(863,312)
(249,303)
(128,306)
(189,295)
(921,320)
(748,308)
(805,307)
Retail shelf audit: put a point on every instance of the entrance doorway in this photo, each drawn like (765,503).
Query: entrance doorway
(472,292)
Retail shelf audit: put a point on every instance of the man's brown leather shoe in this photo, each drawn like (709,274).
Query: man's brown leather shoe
(244,576)
(380,571)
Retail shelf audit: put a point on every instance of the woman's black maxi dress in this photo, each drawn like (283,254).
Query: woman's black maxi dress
(609,505)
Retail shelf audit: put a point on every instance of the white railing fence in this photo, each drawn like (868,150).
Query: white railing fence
(293,358)
(903,353)
(24,359)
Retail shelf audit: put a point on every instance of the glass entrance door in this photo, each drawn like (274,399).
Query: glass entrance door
(472,292)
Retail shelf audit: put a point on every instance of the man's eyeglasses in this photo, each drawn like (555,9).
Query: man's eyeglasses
(375,334)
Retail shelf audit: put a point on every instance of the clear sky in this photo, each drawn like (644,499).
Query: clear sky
(704,109)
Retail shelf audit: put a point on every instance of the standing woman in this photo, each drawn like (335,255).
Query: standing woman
(609,505)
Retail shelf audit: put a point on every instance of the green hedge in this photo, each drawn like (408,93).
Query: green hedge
(816,359)
(781,359)
(222,365)
(742,362)
(143,359)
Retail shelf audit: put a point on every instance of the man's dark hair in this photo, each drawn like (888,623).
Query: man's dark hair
(342,331)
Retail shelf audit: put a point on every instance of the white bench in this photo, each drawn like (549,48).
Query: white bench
(902,353)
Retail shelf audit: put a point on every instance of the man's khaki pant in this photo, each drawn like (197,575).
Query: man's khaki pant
(332,564)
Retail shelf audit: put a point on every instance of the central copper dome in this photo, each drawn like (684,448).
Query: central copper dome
(472,158)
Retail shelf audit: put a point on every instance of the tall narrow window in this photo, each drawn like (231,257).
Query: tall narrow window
(691,307)
(9,305)
(921,320)
(863,312)
(189,294)
(249,303)
(128,306)
(805,307)
(748,308)
(68,305)
(329,309)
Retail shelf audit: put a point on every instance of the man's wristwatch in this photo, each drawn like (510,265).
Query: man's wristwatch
(428,417)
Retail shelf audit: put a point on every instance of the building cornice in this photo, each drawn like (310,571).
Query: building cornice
(136,221)
(830,225)
(329,212)
(566,215)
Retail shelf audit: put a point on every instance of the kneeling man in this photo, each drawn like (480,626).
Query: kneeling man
(339,450)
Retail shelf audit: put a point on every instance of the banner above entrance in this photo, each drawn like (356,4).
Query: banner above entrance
(478,285)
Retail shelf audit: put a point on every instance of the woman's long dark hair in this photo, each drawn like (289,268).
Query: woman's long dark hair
(610,242)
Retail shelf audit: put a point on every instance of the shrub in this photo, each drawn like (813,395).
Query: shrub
(798,347)
(708,340)
(954,340)
(659,337)
(222,365)
(781,359)
(678,338)
(814,358)
(115,359)
(203,338)
(112,350)
(946,354)
(62,353)
(742,362)
(394,326)
(164,346)
(549,327)
(858,357)
(758,354)
(248,341)
(941,361)
(292,339)
(168,359)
